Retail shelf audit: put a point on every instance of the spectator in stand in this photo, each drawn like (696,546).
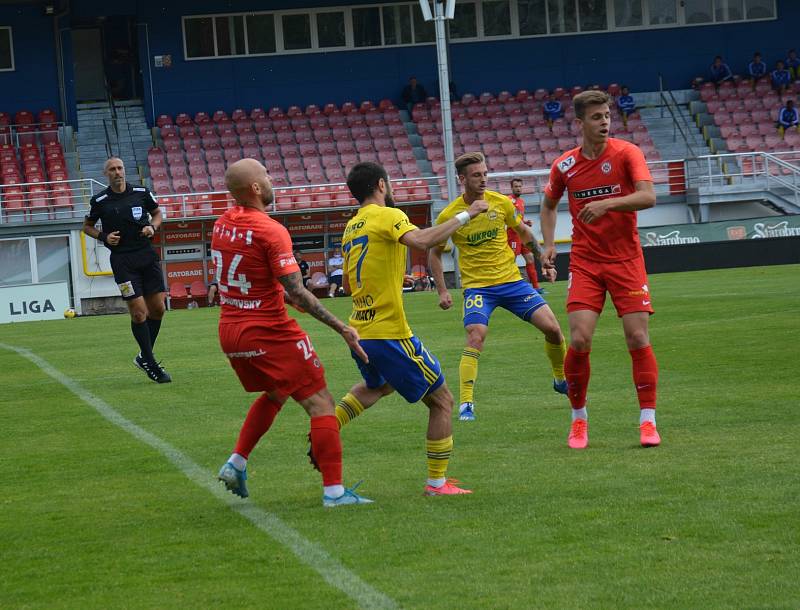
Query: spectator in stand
(720,71)
(793,64)
(413,93)
(788,117)
(305,269)
(781,77)
(626,104)
(335,264)
(552,109)
(757,69)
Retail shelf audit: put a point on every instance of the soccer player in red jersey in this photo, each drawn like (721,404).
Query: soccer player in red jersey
(514,240)
(268,350)
(608,181)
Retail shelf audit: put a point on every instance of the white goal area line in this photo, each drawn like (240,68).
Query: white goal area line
(309,553)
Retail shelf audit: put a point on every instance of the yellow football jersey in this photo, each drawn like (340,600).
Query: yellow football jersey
(375,263)
(483,253)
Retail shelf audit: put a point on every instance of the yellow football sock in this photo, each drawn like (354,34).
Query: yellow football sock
(468,373)
(556,353)
(438,456)
(349,408)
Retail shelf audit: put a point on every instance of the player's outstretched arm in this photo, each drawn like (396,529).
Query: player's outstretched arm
(422,239)
(293,284)
(435,263)
(530,241)
(547,219)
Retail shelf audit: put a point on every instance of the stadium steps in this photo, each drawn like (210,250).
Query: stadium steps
(131,145)
(667,137)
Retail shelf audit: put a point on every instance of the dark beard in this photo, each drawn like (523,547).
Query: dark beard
(268,199)
(389,200)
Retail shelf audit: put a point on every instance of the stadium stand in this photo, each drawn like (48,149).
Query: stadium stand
(744,117)
(298,147)
(510,129)
(33,170)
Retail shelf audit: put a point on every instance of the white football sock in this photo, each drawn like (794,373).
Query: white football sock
(579,414)
(647,415)
(333,491)
(437,482)
(239,462)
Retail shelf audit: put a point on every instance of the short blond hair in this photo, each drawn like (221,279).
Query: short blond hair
(588,98)
(467,159)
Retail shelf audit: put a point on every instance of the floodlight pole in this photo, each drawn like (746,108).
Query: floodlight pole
(439,16)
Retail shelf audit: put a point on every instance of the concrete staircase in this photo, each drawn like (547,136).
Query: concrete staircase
(130,141)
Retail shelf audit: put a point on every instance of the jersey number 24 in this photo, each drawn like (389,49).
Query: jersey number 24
(233,279)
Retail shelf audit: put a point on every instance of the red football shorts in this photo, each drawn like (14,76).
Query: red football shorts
(625,281)
(516,245)
(267,359)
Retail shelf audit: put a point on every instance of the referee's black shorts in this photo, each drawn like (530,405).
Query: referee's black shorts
(137,273)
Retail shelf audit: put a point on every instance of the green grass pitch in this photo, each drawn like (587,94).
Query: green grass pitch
(91,517)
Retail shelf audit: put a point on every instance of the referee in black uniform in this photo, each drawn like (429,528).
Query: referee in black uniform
(130,217)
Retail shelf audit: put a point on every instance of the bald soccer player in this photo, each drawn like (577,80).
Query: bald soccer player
(267,349)
(130,217)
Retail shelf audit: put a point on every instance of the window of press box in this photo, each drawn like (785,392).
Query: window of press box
(6,49)
(531,16)
(397,24)
(330,30)
(199,37)
(496,18)
(367,27)
(296,31)
(464,23)
(260,33)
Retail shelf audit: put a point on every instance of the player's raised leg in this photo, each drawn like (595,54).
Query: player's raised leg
(360,398)
(439,443)
(327,448)
(258,421)
(555,346)
(468,370)
(577,369)
(645,374)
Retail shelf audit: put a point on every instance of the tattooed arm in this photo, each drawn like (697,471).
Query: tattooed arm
(293,284)
(529,241)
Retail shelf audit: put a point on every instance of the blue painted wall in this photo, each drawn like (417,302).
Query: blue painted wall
(635,58)
(34,84)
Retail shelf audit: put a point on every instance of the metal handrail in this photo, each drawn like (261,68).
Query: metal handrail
(676,125)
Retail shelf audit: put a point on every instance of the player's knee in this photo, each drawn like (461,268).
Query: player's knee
(476,337)
(442,401)
(637,338)
(138,315)
(580,342)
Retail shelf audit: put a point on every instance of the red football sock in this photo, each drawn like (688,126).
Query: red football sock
(532,275)
(577,371)
(259,419)
(645,376)
(327,447)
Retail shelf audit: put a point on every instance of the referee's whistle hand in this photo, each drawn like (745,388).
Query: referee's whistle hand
(113,238)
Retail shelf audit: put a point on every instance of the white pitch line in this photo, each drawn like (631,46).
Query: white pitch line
(331,570)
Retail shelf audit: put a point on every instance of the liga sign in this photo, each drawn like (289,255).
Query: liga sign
(33,302)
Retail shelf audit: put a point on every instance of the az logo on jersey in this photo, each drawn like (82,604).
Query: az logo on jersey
(606,167)
(566,164)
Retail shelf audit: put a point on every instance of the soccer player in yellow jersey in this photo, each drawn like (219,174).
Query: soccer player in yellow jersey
(491,278)
(375,245)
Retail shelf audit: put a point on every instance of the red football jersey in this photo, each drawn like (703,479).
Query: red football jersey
(519,204)
(251,251)
(613,237)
